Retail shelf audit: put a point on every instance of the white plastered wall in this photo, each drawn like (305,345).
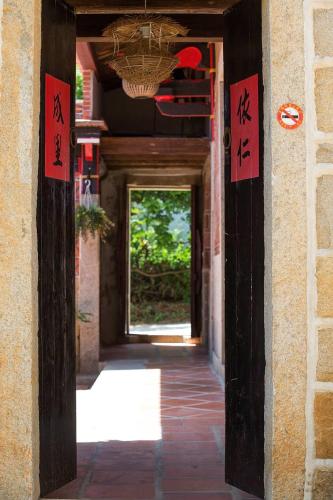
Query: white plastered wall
(217,224)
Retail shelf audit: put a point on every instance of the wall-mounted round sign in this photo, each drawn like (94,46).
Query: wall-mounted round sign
(290,116)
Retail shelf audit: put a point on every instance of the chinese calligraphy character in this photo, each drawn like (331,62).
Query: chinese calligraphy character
(57,145)
(243,108)
(244,121)
(241,153)
(57,111)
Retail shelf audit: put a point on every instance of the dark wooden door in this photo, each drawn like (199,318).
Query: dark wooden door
(244,267)
(55,225)
(196,261)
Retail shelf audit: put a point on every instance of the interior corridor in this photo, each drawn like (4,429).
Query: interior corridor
(151,427)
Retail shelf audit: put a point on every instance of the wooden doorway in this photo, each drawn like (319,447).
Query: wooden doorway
(55,223)
(244,248)
(244,256)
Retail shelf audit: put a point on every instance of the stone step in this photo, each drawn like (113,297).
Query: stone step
(156,339)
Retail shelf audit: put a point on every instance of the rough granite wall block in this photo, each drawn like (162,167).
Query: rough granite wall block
(88,302)
(323,417)
(325,211)
(325,355)
(19,119)
(323,32)
(323,484)
(324,101)
(285,255)
(325,286)
(325,153)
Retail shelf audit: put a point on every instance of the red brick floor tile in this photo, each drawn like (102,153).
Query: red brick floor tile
(70,490)
(181,402)
(117,492)
(197,496)
(184,437)
(176,471)
(183,412)
(196,461)
(122,477)
(195,484)
(130,465)
(199,448)
(209,406)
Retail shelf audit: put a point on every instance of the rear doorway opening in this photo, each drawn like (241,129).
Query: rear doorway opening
(159,265)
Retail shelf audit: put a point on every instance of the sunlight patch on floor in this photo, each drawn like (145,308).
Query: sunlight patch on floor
(122,405)
(173,344)
(182,329)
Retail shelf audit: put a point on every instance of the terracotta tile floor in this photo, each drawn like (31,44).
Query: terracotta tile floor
(154,429)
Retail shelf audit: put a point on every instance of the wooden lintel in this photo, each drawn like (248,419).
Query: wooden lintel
(151,168)
(204,27)
(178,39)
(179,172)
(154,146)
(153,6)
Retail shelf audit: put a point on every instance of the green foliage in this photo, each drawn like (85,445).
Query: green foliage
(83,316)
(79,84)
(92,220)
(160,312)
(160,246)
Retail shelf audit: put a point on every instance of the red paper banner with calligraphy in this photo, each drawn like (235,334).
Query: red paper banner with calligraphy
(57,128)
(244,129)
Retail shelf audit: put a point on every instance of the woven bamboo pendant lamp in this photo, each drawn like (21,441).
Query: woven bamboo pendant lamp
(141,55)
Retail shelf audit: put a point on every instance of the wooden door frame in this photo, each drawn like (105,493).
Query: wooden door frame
(145,187)
(244,262)
(56,259)
(196,261)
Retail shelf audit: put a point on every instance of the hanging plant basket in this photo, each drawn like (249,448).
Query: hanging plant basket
(92,221)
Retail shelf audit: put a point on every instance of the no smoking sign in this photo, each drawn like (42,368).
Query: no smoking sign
(290,116)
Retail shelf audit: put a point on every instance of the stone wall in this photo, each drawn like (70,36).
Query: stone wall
(319,39)
(286,252)
(88,302)
(19,128)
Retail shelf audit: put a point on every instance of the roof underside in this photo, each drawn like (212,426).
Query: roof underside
(186,153)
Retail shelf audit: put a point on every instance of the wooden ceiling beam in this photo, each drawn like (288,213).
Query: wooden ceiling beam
(178,39)
(117,161)
(153,167)
(200,27)
(154,146)
(158,171)
(153,6)
(171,159)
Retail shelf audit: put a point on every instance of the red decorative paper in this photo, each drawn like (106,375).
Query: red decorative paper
(88,152)
(57,129)
(244,129)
